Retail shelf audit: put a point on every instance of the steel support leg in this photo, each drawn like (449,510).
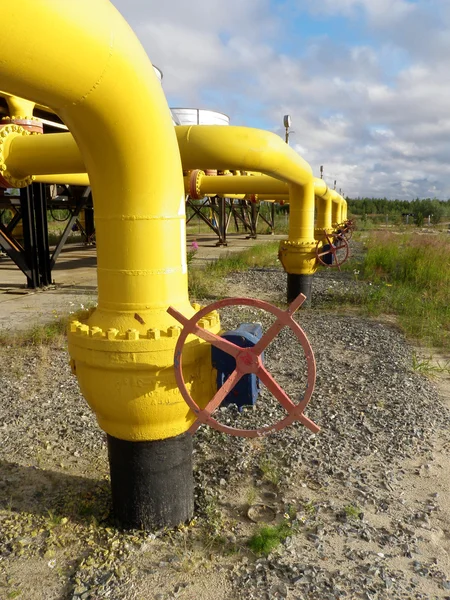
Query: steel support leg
(29,236)
(41,226)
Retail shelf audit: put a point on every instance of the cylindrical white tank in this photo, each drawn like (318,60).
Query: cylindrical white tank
(158,73)
(198,116)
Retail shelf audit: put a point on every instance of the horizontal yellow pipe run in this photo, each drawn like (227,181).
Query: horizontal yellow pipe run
(241,148)
(223,185)
(44,154)
(64,179)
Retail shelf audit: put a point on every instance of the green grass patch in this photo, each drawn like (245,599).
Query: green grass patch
(269,537)
(409,275)
(204,283)
(52,334)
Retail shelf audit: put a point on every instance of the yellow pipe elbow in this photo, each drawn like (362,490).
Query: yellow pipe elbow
(240,148)
(101,84)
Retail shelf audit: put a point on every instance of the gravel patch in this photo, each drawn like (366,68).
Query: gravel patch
(363,499)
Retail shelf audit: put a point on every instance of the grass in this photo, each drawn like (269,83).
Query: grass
(409,275)
(206,283)
(269,537)
(428,366)
(51,334)
(352,511)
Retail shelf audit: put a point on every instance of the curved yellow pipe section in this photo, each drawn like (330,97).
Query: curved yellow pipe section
(242,148)
(83,61)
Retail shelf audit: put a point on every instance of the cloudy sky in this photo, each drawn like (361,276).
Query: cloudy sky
(366,82)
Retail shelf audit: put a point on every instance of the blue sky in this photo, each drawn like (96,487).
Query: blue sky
(366,82)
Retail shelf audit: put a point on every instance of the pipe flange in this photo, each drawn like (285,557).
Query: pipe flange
(195,180)
(31,124)
(113,340)
(7,180)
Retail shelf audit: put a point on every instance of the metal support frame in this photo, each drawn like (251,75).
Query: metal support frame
(33,256)
(81,201)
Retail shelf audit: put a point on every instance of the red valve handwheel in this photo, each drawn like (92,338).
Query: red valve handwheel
(336,242)
(248,360)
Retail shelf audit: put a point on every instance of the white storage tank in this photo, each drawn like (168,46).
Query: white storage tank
(158,73)
(198,116)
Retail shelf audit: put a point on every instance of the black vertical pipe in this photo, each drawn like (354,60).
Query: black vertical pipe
(151,482)
(299,284)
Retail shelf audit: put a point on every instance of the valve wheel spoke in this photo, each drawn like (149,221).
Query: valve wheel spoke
(205,335)
(276,390)
(221,394)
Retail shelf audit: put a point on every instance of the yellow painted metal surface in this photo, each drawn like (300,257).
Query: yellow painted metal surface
(297,253)
(43,154)
(83,61)
(241,148)
(64,179)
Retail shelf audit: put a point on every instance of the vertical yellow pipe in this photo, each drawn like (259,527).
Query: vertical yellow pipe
(106,91)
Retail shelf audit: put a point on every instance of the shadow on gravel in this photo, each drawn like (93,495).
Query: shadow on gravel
(50,493)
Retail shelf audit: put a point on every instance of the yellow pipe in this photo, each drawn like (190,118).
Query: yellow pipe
(43,155)
(241,148)
(19,107)
(337,210)
(222,186)
(344,210)
(83,61)
(64,179)
(324,200)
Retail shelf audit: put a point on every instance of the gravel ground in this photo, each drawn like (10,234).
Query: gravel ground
(366,500)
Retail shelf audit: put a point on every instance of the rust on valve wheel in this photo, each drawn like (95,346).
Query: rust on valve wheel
(248,360)
(336,243)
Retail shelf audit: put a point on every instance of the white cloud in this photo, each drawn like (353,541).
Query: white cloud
(374,113)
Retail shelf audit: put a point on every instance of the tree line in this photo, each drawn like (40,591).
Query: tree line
(418,209)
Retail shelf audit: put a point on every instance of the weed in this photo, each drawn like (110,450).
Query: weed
(352,511)
(428,366)
(409,276)
(270,470)
(251,496)
(214,518)
(269,537)
(309,508)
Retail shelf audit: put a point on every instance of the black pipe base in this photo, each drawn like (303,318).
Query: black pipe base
(152,483)
(299,284)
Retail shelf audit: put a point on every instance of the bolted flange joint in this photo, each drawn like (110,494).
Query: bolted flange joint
(298,256)
(7,134)
(195,181)
(127,376)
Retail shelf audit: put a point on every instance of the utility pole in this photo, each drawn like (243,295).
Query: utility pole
(287,124)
